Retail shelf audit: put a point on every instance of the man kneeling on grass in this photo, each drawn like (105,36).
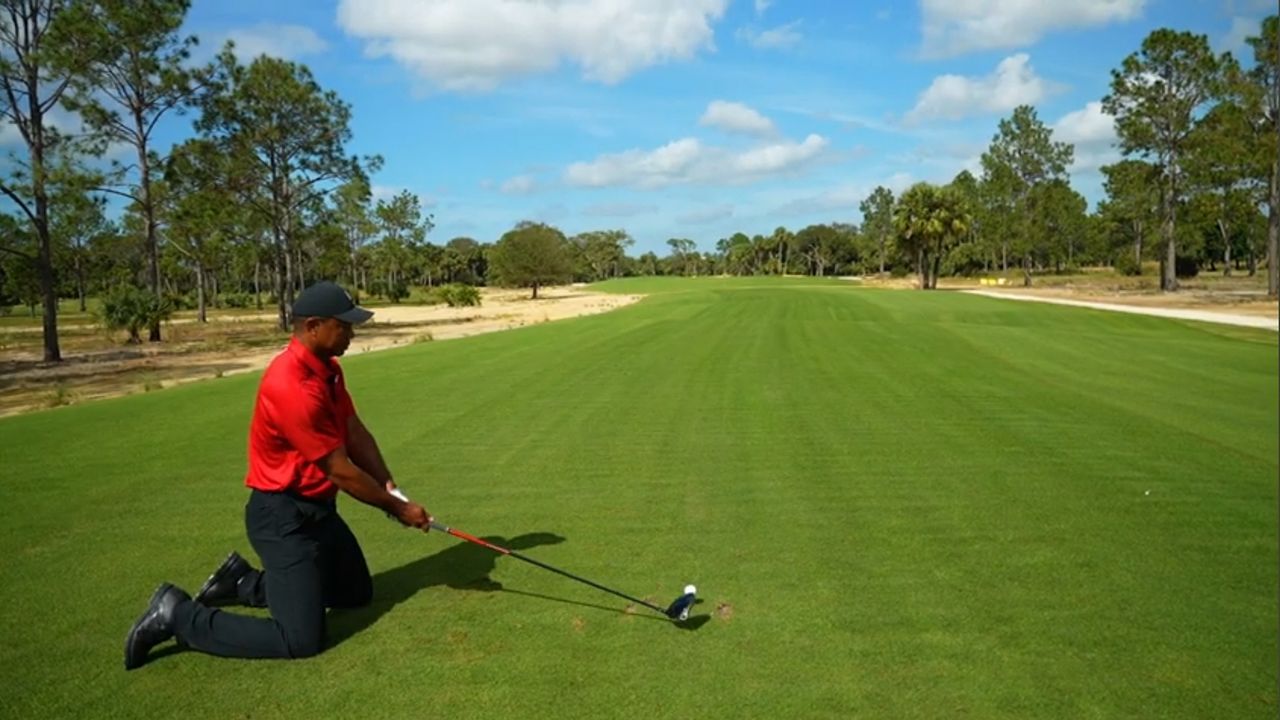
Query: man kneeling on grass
(305,444)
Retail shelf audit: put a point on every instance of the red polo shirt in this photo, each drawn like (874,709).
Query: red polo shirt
(300,416)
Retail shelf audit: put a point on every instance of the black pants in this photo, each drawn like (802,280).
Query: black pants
(310,561)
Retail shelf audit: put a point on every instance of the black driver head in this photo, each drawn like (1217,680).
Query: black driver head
(679,608)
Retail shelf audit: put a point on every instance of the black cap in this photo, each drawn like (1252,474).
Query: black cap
(326,299)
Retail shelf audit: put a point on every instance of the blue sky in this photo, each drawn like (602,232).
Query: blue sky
(699,118)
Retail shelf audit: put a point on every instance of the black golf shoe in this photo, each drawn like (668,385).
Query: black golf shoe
(220,588)
(154,627)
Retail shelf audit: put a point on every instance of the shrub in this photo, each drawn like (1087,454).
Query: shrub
(236,299)
(131,308)
(1126,264)
(458,295)
(1186,267)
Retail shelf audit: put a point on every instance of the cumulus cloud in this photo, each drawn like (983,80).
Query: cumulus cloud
(282,41)
(737,118)
(1014,82)
(955,27)
(783,36)
(689,161)
(477,44)
(1092,132)
(762,5)
(519,185)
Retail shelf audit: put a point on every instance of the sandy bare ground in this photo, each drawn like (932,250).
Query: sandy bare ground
(1242,310)
(26,383)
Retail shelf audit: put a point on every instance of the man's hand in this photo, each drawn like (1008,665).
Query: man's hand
(406,514)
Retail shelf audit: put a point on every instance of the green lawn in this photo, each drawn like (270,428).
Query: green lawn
(896,504)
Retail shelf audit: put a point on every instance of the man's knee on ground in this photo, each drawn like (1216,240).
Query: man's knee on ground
(305,644)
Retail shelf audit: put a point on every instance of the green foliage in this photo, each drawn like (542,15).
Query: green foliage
(132,308)
(531,255)
(929,220)
(459,295)
(1126,264)
(237,300)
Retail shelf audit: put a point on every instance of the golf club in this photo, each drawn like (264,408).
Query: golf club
(678,610)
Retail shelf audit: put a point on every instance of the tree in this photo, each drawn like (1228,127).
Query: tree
(602,251)
(684,255)
(287,137)
(1156,96)
(403,229)
(76,219)
(38,57)
(928,221)
(1021,157)
(877,219)
(1133,201)
(136,75)
(531,255)
(352,216)
(195,199)
(1221,170)
(1265,79)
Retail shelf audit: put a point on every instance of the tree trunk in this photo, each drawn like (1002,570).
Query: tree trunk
(923,269)
(933,276)
(149,223)
(535,291)
(1226,244)
(80,282)
(1169,278)
(200,311)
(1004,257)
(882,255)
(257,282)
(1273,219)
(1026,270)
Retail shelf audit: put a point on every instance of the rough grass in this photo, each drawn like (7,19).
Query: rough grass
(894,504)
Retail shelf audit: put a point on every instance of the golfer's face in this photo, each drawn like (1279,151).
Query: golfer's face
(336,335)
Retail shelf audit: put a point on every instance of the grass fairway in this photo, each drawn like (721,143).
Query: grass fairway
(895,504)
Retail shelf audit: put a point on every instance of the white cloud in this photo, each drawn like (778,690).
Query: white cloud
(1236,39)
(282,41)
(689,161)
(1092,132)
(477,44)
(1014,82)
(783,36)
(762,5)
(519,185)
(702,216)
(954,27)
(736,117)
(843,198)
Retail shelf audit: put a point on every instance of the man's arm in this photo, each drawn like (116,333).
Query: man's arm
(364,487)
(363,451)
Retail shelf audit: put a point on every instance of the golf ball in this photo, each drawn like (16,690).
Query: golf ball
(690,590)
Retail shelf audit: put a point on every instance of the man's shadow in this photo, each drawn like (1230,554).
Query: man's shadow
(464,566)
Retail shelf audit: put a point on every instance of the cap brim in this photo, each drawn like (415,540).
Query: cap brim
(355,315)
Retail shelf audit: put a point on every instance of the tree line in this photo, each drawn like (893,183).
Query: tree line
(264,197)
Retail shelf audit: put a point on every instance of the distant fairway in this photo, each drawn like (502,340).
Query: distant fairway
(896,504)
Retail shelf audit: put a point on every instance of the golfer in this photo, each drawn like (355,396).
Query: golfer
(306,443)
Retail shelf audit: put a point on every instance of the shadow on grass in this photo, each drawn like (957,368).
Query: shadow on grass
(464,566)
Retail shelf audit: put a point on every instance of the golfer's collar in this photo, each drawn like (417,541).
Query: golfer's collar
(325,370)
